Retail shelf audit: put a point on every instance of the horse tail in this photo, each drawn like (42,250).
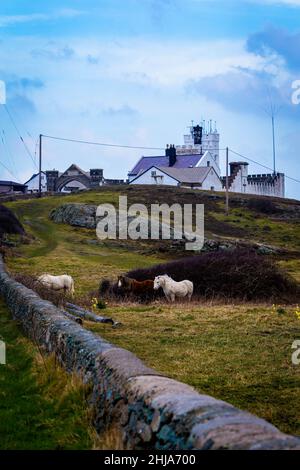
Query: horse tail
(72,288)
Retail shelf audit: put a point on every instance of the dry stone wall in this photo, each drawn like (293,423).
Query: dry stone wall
(152,411)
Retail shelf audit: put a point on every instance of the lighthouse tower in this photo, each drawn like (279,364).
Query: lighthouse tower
(201,137)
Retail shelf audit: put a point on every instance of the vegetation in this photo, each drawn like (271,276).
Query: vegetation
(41,406)
(240,274)
(9,223)
(239,352)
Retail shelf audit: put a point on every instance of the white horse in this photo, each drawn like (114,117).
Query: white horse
(57,282)
(173,289)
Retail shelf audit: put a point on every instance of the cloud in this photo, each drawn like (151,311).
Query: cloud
(123,111)
(11,20)
(245,90)
(53,53)
(92,59)
(279,41)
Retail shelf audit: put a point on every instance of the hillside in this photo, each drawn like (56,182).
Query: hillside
(239,352)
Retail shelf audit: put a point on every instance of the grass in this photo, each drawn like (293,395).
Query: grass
(236,352)
(264,229)
(41,406)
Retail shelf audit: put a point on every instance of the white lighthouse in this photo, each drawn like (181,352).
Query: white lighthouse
(201,138)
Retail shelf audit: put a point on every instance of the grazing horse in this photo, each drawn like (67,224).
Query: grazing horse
(136,287)
(173,289)
(63,282)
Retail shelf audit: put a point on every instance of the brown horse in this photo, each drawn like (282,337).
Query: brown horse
(139,288)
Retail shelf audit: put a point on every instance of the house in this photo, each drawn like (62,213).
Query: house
(196,178)
(201,151)
(73,179)
(12,187)
(33,183)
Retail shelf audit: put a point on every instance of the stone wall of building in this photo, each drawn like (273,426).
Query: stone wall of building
(152,411)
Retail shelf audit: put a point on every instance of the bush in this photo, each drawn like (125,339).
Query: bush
(241,274)
(9,222)
(264,205)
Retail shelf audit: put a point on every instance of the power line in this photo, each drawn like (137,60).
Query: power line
(260,164)
(9,154)
(19,134)
(101,143)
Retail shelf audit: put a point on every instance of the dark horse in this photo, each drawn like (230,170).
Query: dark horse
(139,288)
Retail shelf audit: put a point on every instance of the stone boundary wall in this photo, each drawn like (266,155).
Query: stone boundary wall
(152,411)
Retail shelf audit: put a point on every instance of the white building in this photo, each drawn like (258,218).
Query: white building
(201,150)
(197,178)
(33,183)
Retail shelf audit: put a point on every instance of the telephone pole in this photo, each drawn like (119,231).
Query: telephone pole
(40,165)
(274,148)
(227,194)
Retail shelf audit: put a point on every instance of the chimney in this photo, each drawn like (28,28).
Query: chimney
(171,153)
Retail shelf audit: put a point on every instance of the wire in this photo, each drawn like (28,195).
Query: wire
(101,143)
(8,152)
(260,164)
(18,132)
(7,169)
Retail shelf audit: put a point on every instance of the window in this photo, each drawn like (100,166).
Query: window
(153,173)
(208,163)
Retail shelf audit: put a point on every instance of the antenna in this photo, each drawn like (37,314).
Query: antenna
(272,112)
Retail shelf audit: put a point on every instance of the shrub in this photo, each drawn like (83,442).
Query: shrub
(264,205)
(240,274)
(9,222)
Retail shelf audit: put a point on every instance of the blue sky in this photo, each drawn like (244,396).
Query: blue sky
(136,72)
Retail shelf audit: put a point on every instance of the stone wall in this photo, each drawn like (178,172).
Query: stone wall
(152,411)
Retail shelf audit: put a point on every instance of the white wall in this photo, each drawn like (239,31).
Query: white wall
(33,185)
(212,181)
(146,178)
(208,157)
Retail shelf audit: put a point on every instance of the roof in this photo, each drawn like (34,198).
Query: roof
(187,175)
(77,168)
(182,161)
(183,175)
(33,176)
(10,183)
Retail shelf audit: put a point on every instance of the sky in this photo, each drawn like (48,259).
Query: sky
(136,72)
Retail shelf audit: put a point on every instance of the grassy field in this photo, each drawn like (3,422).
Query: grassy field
(32,415)
(237,352)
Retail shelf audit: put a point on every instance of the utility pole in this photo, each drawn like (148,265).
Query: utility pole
(274,148)
(40,166)
(227,194)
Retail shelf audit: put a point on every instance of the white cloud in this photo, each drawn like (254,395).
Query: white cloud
(9,20)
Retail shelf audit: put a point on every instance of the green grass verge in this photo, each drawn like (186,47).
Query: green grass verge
(41,406)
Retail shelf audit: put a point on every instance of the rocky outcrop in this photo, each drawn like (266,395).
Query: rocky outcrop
(153,411)
(78,215)
(84,215)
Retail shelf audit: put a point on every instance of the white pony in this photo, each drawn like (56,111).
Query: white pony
(173,289)
(57,282)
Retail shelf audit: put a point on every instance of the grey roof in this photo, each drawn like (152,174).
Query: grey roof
(187,175)
(10,183)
